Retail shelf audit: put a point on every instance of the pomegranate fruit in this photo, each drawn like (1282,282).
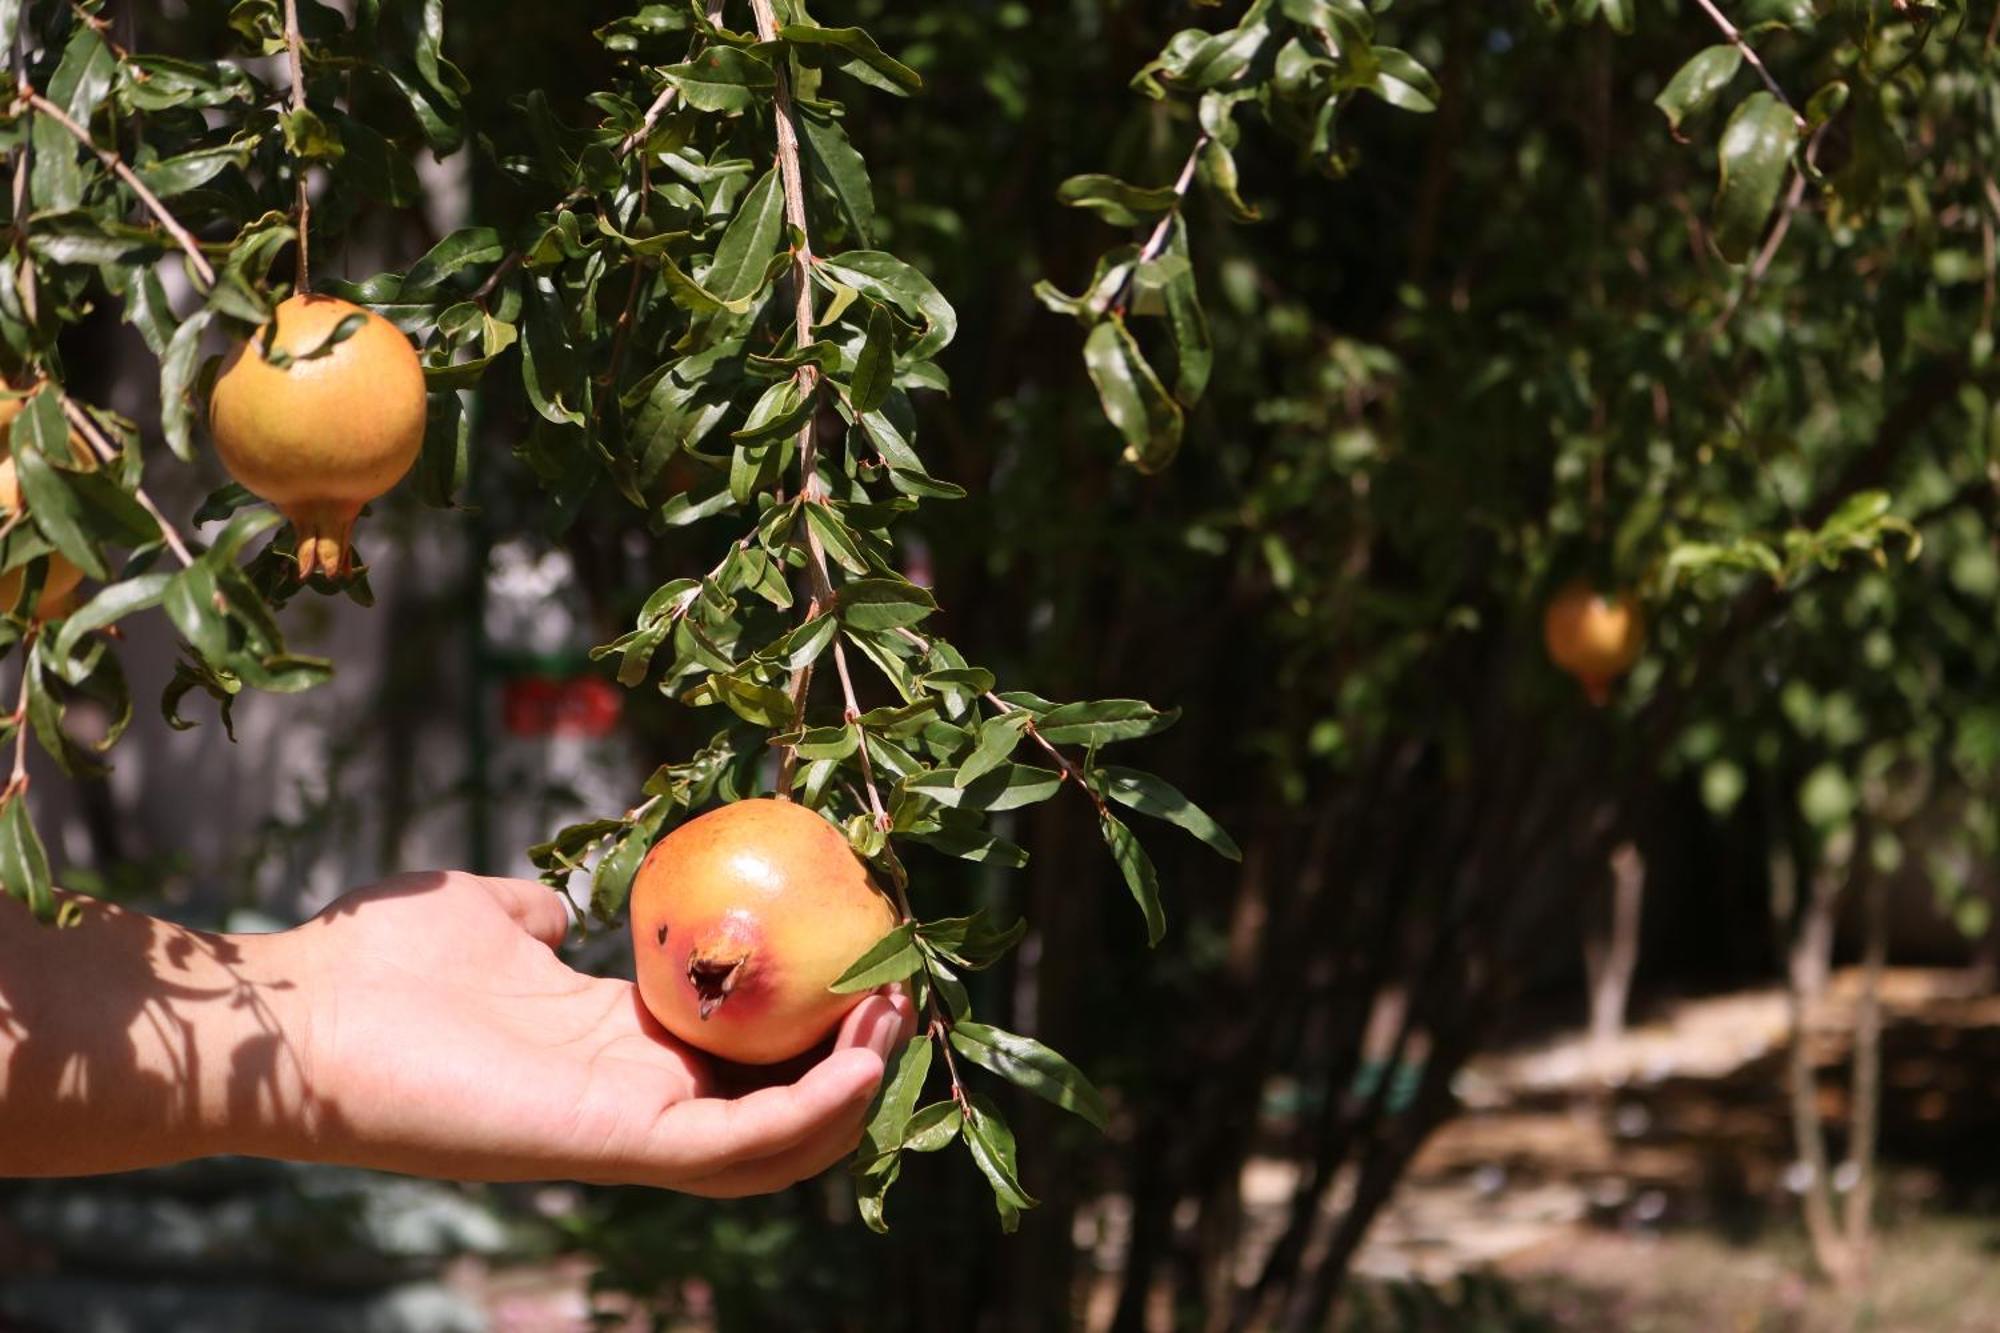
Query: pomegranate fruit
(323,436)
(60,583)
(1593,637)
(742,918)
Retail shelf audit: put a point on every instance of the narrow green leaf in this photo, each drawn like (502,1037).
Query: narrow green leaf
(875,367)
(1755,150)
(1154,796)
(1696,84)
(1029,1065)
(744,253)
(24,863)
(854,53)
(1140,877)
(993,1151)
(1133,397)
(890,959)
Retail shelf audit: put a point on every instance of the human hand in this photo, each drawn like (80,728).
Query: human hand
(440,1035)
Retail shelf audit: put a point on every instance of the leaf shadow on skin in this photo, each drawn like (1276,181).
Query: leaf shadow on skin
(76,1075)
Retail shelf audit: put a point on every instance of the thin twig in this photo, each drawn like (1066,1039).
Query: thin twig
(1069,769)
(1157,242)
(107,452)
(110,159)
(1729,30)
(1794,197)
(296,57)
(630,142)
(18,783)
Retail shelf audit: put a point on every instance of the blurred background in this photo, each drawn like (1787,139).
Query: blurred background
(1520,1013)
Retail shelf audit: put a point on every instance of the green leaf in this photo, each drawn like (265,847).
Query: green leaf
(835,538)
(889,959)
(1696,84)
(886,278)
(84,75)
(1194,349)
(998,739)
(611,881)
(1103,721)
(879,1160)
(1402,82)
(831,160)
(875,367)
(1140,877)
(971,941)
(109,606)
(993,1151)
(722,79)
(24,864)
(1755,150)
(1031,1066)
(461,250)
(55,507)
(1217,167)
(1154,796)
(854,53)
(744,253)
(1133,397)
(1116,201)
(883,603)
(933,1128)
(177,375)
(1007,787)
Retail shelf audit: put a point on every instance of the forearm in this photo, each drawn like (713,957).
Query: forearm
(127,1042)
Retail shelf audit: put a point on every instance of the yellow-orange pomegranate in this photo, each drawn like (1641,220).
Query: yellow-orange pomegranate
(1593,637)
(60,583)
(324,436)
(742,918)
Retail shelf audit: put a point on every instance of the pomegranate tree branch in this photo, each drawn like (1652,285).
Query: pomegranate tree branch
(1734,36)
(791,177)
(1794,198)
(116,164)
(18,782)
(295,57)
(631,142)
(1157,242)
(81,421)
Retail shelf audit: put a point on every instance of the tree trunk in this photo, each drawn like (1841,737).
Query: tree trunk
(1865,1099)
(1809,958)
(1611,948)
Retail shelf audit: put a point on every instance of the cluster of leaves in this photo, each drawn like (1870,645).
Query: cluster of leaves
(667,347)
(126,165)
(1298,63)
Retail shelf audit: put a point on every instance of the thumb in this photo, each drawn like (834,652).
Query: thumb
(535,907)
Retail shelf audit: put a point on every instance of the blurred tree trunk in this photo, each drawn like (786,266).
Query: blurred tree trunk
(1611,946)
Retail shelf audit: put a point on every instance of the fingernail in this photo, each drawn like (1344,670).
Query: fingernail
(883,1038)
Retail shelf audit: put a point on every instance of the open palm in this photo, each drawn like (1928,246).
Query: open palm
(444,1037)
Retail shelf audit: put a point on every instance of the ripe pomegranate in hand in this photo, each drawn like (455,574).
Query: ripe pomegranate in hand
(62,578)
(742,918)
(1593,637)
(321,438)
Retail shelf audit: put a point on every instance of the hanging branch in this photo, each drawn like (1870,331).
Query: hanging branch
(792,179)
(1735,37)
(81,422)
(1157,242)
(116,164)
(296,59)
